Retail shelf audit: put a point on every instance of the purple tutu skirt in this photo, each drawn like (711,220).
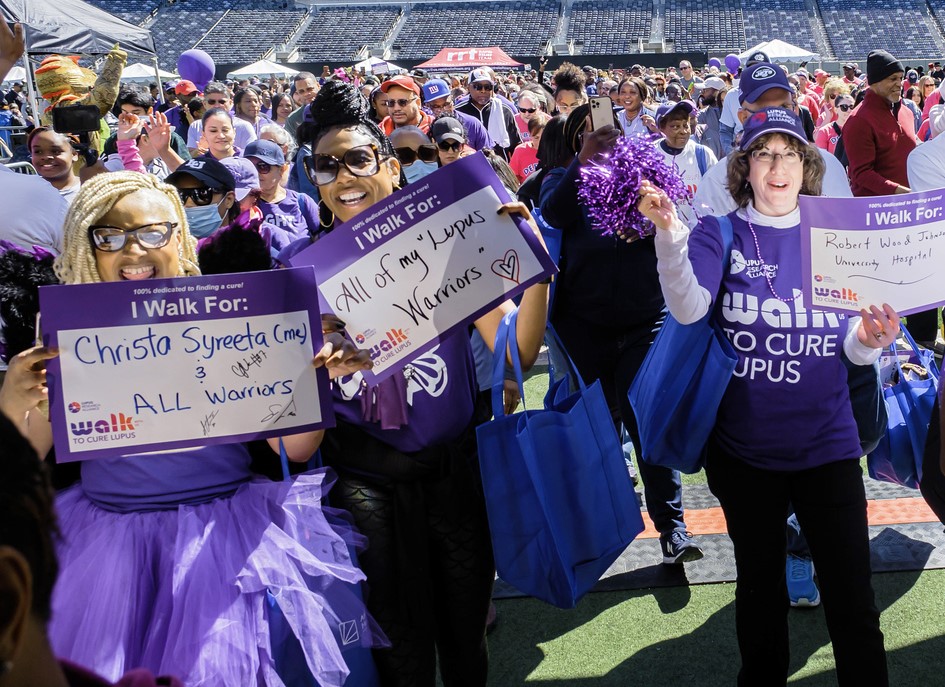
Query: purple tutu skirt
(189,592)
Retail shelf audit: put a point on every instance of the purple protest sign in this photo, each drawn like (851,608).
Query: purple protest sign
(859,252)
(174,363)
(425,261)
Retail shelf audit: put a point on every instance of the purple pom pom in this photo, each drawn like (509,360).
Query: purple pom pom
(609,188)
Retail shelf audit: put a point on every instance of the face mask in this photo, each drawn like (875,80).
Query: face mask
(203,220)
(419,169)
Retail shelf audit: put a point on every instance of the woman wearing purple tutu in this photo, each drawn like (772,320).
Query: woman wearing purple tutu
(405,450)
(169,561)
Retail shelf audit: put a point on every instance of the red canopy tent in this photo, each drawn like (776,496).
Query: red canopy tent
(469,58)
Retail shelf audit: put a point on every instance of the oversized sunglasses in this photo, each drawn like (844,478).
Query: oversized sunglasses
(426,153)
(110,239)
(449,146)
(846,108)
(262,167)
(360,161)
(201,196)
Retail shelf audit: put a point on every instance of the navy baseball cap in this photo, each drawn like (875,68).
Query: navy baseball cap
(434,89)
(208,171)
(669,106)
(757,56)
(267,151)
(759,78)
(772,120)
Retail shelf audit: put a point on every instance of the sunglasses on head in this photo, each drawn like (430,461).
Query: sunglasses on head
(110,239)
(360,161)
(453,146)
(483,86)
(528,110)
(201,196)
(398,102)
(426,153)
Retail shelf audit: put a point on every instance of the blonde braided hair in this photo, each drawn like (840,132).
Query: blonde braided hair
(96,197)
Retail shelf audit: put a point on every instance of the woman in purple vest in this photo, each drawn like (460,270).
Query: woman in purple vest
(405,450)
(168,561)
(785,432)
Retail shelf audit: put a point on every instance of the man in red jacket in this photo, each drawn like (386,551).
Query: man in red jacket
(880,133)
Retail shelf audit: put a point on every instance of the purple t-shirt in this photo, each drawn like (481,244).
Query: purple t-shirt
(165,481)
(294,217)
(441,392)
(787,406)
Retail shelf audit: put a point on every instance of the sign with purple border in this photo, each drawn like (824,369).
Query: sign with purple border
(173,363)
(859,252)
(424,261)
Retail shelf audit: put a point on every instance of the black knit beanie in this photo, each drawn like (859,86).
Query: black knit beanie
(880,65)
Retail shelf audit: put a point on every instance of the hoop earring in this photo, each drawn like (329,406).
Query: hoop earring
(322,207)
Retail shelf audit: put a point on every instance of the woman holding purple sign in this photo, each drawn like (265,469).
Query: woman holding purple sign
(180,562)
(785,431)
(405,449)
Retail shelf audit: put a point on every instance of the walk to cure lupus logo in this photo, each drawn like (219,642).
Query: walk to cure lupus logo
(74,407)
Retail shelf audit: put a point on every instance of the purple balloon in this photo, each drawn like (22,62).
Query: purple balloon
(196,66)
(715,62)
(732,63)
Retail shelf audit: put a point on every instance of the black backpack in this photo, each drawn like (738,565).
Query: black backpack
(840,152)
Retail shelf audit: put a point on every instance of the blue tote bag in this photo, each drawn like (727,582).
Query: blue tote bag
(898,456)
(675,395)
(560,501)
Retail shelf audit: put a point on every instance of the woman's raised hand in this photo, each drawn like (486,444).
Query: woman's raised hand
(24,386)
(656,206)
(341,357)
(597,142)
(878,328)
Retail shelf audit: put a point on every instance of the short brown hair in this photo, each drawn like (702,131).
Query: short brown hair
(739,160)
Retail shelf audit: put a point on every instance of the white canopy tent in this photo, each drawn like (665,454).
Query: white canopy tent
(265,68)
(781,52)
(16,74)
(144,72)
(375,65)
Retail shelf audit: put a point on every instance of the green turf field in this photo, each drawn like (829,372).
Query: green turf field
(685,636)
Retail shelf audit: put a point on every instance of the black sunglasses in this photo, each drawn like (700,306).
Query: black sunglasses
(262,167)
(426,153)
(360,161)
(528,110)
(483,86)
(846,108)
(201,196)
(449,145)
(110,239)
(398,102)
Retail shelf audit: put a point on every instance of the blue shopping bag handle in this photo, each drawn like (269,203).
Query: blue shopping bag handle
(503,336)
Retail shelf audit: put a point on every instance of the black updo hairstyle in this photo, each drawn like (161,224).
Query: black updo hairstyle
(340,106)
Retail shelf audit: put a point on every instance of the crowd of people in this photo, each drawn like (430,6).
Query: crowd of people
(164,562)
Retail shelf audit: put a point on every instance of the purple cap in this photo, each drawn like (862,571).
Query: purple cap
(669,106)
(759,78)
(245,174)
(772,120)
(435,88)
